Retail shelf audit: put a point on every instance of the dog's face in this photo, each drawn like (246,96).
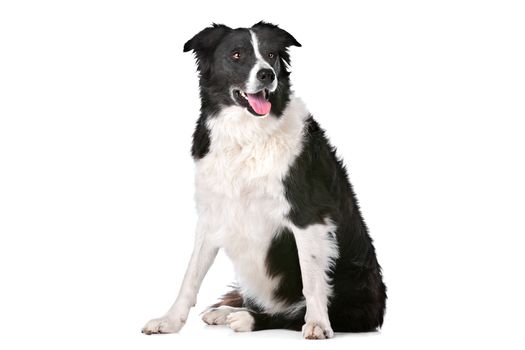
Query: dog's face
(246,67)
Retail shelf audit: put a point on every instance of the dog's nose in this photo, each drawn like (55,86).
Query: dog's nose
(266,75)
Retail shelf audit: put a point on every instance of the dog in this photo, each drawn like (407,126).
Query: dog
(271,192)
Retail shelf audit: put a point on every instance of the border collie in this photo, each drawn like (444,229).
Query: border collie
(272,193)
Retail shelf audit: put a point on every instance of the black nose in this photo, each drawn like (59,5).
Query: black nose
(266,75)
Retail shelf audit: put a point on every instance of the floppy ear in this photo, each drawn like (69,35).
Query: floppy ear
(284,38)
(204,43)
(281,37)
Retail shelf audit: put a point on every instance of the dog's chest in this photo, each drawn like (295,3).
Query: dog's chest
(247,162)
(240,181)
(242,199)
(240,191)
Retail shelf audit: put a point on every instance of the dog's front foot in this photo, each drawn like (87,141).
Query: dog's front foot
(317,330)
(163,325)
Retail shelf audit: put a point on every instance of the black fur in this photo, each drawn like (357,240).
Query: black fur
(317,187)
(201,140)
(264,321)
(283,261)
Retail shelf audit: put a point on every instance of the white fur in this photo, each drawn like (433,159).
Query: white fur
(252,86)
(164,324)
(313,330)
(203,255)
(240,321)
(317,248)
(217,316)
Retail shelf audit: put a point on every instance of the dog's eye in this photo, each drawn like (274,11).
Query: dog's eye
(271,55)
(236,55)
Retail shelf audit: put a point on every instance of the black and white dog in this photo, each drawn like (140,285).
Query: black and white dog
(272,193)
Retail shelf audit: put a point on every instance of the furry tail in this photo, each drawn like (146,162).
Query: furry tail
(233,298)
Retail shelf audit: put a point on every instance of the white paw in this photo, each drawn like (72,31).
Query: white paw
(317,330)
(163,325)
(217,316)
(240,321)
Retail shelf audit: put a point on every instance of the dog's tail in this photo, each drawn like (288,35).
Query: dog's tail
(232,298)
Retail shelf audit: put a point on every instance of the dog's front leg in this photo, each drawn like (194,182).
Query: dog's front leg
(317,250)
(204,253)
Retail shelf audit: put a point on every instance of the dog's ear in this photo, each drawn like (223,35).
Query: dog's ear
(207,38)
(284,38)
(204,43)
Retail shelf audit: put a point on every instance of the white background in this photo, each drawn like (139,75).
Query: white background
(425,101)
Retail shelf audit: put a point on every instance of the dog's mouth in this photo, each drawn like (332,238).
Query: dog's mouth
(256,103)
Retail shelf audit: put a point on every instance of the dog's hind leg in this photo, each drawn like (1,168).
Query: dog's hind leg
(233,298)
(245,321)
(230,302)
(241,316)
(218,315)
(363,317)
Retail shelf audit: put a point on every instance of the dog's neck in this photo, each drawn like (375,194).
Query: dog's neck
(234,125)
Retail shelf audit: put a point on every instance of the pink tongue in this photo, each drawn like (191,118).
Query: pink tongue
(259,104)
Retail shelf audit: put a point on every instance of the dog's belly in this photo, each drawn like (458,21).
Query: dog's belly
(247,243)
(245,228)
(244,213)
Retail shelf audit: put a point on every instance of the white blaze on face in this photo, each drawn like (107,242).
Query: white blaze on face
(253,85)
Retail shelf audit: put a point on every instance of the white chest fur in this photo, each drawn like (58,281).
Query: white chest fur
(239,188)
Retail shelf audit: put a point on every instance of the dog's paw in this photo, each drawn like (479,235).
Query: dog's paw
(240,321)
(216,316)
(317,330)
(163,325)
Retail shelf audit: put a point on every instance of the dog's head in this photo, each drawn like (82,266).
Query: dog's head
(246,67)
